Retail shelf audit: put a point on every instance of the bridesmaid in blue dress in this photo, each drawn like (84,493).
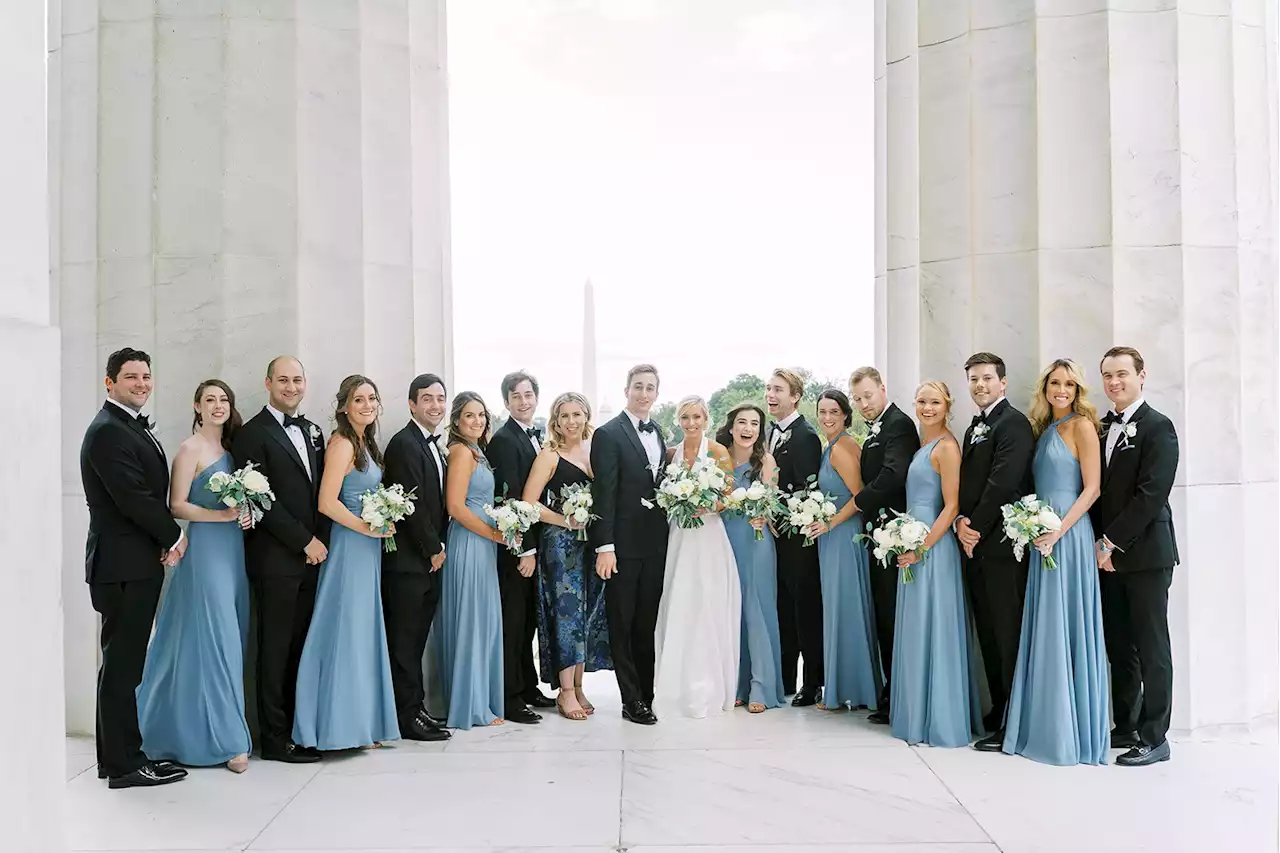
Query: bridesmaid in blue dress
(573,629)
(345,697)
(191,699)
(934,697)
(760,646)
(468,627)
(1058,708)
(851,657)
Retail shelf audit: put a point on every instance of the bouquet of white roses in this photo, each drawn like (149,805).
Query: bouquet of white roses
(805,507)
(384,507)
(758,500)
(513,519)
(577,507)
(895,537)
(245,489)
(686,491)
(1026,521)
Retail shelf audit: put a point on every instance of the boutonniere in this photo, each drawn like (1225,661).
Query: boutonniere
(1127,432)
(980,433)
(646,503)
(314,432)
(782,439)
(875,429)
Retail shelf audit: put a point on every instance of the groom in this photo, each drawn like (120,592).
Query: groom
(630,538)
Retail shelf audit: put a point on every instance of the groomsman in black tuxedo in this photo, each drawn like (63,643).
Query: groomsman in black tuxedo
(284,551)
(630,538)
(1136,553)
(995,469)
(798,453)
(891,443)
(410,583)
(511,453)
(132,537)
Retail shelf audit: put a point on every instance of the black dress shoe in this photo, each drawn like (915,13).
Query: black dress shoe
(523,716)
(991,743)
(1125,740)
(147,776)
(163,763)
(638,712)
(418,730)
(290,753)
(537,700)
(880,718)
(432,721)
(806,697)
(1142,755)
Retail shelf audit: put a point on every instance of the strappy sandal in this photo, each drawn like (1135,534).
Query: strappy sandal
(582,700)
(738,703)
(756,708)
(578,715)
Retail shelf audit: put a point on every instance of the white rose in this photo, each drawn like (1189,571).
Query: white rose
(1049,520)
(756,491)
(793,504)
(230,501)
(828,508)
(255,482)
(219,480)
(880,536)
(738,495)
(880,554)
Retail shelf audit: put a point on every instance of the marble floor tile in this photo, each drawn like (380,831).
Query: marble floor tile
(775,796)
(1210,796)
(398,799)
(211,809)
(80,756)
(944,847)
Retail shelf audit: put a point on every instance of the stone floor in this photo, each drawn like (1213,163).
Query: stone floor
(788,781)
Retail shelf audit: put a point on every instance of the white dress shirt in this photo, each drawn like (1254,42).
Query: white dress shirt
(152,436)
(986,413)
(1115,430)
(435,453)
(295,435)
(775,435)
(652,449)
(533,439)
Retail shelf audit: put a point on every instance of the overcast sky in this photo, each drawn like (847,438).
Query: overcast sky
(708,165)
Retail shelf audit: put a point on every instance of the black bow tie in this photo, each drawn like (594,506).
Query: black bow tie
(534,432)
(295,420)
(433,438)
(646,426)
(144,422)
(979,418)
(774,427)
(1112,418)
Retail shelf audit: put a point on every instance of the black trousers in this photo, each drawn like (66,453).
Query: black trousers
(790,642)
(409,602)
(128,610)
(631,599)
(884,602)
(284,614)
(1135,620)
(997,588)
(519,621)
(798,571)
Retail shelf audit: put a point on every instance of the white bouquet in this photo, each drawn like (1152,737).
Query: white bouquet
(805,507)
(758,500)
(1026,521)
(577,507)
(895,537)
(513,519)
(246,489)
(384,507)
(687,491)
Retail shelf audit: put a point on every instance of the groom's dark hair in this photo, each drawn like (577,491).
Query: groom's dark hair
(422,382)
(117,360)
(511,380)
(986,358)
(1138,364)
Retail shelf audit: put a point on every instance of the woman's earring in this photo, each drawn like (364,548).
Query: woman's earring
(199,419)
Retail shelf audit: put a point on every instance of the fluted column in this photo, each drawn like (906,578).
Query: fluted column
(238,180)
(1059,177)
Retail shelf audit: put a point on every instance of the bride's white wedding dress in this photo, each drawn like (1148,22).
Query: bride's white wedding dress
(696,671)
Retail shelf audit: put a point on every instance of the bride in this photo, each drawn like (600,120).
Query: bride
(698,619)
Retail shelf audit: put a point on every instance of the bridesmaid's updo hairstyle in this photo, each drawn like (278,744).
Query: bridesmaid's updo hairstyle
(1041,414)
(555,438)
(841,399)
(455,420)
(725,437)
(943,391)
(366,445)
(234,422)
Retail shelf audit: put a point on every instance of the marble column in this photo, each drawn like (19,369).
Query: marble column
(236,180)
(30,513)
(1060,176)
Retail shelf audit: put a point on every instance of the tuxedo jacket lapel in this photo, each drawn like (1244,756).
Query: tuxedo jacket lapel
(282,438)
(1108,467)
(624,424)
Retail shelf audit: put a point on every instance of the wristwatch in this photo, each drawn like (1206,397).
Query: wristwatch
(1104,547)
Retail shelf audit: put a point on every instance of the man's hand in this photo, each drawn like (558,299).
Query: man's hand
(174,554)
(316,552)
(1104,559)
(526,566)
(606,564)
(437,561)
(968,537)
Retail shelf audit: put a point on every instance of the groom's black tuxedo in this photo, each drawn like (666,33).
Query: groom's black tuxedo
(126,485)
(631,521)
(886,456)
(1133,513)
(511,455)
(798,456)
(410,589)
(995,469)
(285,586)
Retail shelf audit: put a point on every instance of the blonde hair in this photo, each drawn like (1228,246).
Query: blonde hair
(865,373)
(793,380)
(1041,414)
(941,387)
(555,438)
(691,401)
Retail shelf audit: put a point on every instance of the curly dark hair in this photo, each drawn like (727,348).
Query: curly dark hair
(725,437)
